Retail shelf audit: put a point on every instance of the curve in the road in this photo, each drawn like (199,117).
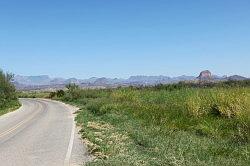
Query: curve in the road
(40,133)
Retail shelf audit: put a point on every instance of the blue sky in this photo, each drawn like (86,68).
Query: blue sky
(119,38)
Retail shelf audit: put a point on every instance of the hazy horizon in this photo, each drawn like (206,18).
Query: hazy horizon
(118,39)
(56,77)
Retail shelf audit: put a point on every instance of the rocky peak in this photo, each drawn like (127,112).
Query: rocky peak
(205,75)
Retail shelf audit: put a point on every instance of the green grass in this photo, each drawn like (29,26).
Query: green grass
(165,125)
(9,107)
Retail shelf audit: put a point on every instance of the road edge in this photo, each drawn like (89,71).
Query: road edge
(70,154)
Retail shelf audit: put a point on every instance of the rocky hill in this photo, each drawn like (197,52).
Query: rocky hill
(205,75)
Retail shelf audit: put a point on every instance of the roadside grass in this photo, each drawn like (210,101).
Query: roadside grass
(165,126)
(9,107)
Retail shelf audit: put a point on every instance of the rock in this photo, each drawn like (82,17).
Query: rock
(205,75)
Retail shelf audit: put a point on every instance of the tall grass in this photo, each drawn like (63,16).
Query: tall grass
(167,124)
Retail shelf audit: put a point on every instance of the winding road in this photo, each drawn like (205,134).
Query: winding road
(41,133)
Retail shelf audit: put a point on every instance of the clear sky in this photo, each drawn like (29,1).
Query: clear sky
(119,38)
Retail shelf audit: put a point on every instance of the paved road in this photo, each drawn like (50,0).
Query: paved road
(40,133)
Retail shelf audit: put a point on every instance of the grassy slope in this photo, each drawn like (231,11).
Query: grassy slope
(166,127)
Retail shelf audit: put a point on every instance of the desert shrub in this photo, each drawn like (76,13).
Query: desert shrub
(67,97)
(74,92)
(90,93)
(60,93)
(52,95)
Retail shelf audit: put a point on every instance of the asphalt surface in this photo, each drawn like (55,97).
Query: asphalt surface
(41,133)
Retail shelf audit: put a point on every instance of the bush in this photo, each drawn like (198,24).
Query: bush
(229,104)
(7,90)
(95,106)
(60,93)
(73,93)
(52,95)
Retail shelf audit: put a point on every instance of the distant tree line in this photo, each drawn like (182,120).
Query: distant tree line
(205,84)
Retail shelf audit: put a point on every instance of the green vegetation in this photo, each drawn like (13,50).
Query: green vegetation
(179,124)
(34,94)
(8,97)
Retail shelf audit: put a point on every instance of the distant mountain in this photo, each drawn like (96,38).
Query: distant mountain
(33,80)
(236,78)
(57,81)
(72,81)
(101,81)
(148,80)
(45,82)
(184,78)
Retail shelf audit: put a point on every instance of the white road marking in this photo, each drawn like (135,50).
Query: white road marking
(71,142)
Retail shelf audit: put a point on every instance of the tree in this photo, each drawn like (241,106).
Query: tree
(7,89)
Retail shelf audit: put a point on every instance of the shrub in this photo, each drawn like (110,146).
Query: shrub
(52,95)
(95,105)
(60,93)
(7,90)
(74,92)
(229,103)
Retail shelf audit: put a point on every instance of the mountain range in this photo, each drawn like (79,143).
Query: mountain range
(46,82)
